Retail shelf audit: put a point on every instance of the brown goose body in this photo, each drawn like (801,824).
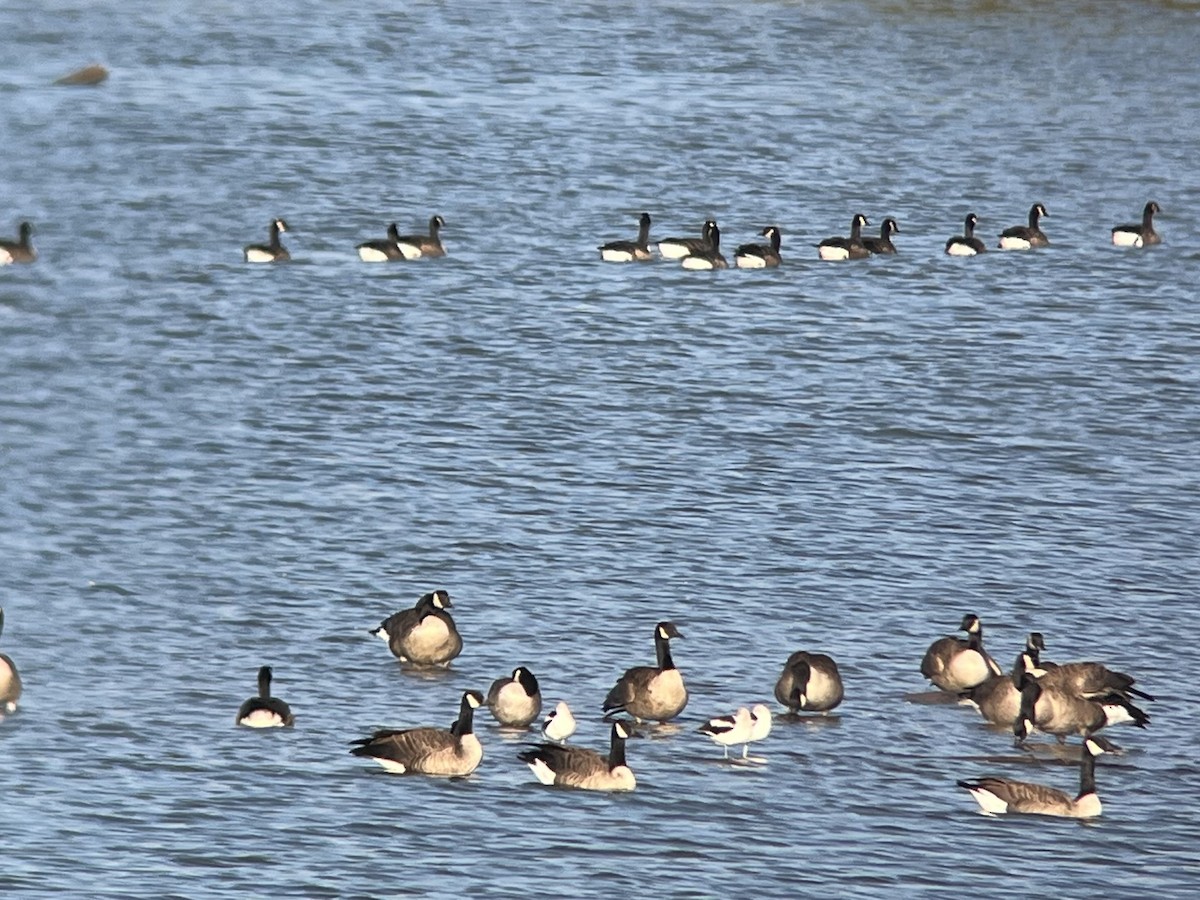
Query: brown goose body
(810,682)
(578,767)
(955,665)
(424,635)
(651,693)
(1000,796)
(427,750)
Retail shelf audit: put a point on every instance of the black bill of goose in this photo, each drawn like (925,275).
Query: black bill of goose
(578,767)
(515,701)
(882,245)
(810,682)
(966,244)
(273,250)
(1001,796)
(1026,237)
(651,693)
(559,723)
(265,711)
(423,246)
(1136,235)
(1054,711)
(629,251)
(709,256)
(679,247)
(21,250)
(727,731)
(385,250)
(955,665)
(10,679)
(838,248)
(760,256)
(424,635)
(428,750)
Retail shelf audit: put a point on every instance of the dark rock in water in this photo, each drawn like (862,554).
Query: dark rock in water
(88,75)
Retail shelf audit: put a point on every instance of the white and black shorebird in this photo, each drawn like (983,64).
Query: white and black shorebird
(265,711)
(578,767)
(559,723)
(10,679)
(966,244)
(955,665)
(629,251)
(1026,237)
(1000,796)
(424,635)
(428,750)
(838,248)
(515,701)
(21,250)
(809,682)
(651,693)
(730,730)
(1138,235)
(273,250)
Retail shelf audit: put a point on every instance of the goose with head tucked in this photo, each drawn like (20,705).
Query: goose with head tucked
(428,750)
(966,244)
(651,693)
(515,701)
(1136,235)
(1026,237)
(385,250)
(273,250)
(955,665)
(10,679)
(424,635)
(760,256)
(21,250)
(708,257)
(679,247)
(882,245)
(578,767)
(629,251)
(559,723)
(838,248)
(810,682)
(1000,796)
(265,711)
(423,246)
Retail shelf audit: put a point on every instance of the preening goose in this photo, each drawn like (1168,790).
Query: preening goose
(883,245)
(679,247)
(21,250)
(581,768)
(629,251)
(559,723)
(1135,235)
(273,250)
(427,750)
(265,711)
(424,635)
(515,701)
(760,256)
(837,248)
(1054,711)
(729,730)
(954,665)
(966,244)
(1025,237)
(10,680)
(810,682)
(422,246)
(651,693)
(999,796)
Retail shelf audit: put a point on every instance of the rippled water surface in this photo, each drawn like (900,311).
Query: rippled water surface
(208,466)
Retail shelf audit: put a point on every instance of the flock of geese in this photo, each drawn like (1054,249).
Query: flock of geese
(703,252)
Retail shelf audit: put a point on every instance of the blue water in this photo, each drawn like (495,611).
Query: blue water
(209,466)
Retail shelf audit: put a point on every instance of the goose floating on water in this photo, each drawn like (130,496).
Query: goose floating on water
(265,711)
(273,250)
(578,767)
(1136,235)
(1026,237)
(21,250)
(629,251)
(427,750)
(515,701)
(424,635)
(10,679)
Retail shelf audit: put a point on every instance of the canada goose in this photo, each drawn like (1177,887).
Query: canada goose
(810,682)
(559,724)
(10,680)
(708,257)
(424,635)
(997,796)
(678,248)
(422,246)
(654,693)
(966,244)
(264,711)
(629,251)
(998,698)
(837,248)
(385,250)
(428,750)
(515,701)
(20,250)
(883,245)
(1084,679)
(729,730)
(272,251)
(1023,237)
(760,256)
(954,665)
(581,768)
(1055,711)
(1138,235)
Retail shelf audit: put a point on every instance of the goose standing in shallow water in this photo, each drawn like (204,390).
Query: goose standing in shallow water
(760,256)
(1142,235)
(1025,237)
(966,244)
(679,247)
(651,693)
(730,730)
(21,250)
(427,750)
(559,723)
(265,711)
(581,768)
(423,246)
(10,680)
(883,245)
(515,701)
(810,682)
(955,665)
(385,250)
(707,257)
(424,635)
(838,248)
(999,796)
(272,251)
(629,251)
(1052,710)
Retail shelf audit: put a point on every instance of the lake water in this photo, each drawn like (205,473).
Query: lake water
(208,465)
